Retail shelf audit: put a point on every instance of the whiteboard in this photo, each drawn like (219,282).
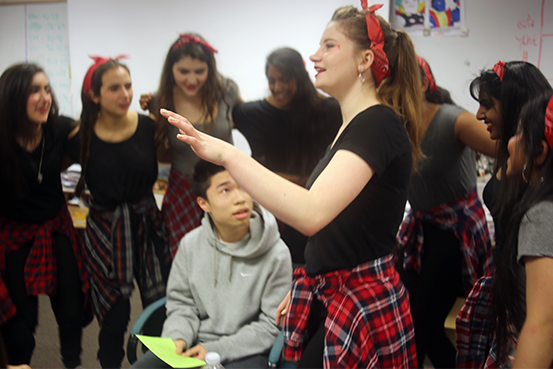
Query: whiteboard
(39,33)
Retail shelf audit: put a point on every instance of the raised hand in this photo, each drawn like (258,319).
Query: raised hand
(145,101)
(206,147)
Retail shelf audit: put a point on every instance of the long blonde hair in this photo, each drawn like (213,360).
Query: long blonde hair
(400,90)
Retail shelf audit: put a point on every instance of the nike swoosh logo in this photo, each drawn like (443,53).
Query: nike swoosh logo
(246,274)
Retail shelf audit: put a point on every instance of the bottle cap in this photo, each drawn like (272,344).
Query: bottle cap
(212,358)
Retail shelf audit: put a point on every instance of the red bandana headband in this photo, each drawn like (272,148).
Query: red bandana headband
(431,84)
(98,60)
(499,68)
(380,66)
(549,123)
(187,38)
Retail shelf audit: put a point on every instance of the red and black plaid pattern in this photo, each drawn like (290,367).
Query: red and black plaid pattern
(474,326)
(180,209)
(119,246)
(466,219)
(368,324)
(41,266)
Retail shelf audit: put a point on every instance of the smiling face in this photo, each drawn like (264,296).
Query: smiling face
(40,99)
(335,62)
(489,111)
(282,88)
(229,206)
(190,75)
(116,92)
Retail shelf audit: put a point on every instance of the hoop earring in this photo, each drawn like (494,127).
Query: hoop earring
(524,170)
(361,78)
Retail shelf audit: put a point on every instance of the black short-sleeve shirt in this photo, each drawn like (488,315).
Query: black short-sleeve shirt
(269,129)
(43,200)
(366,229)
(123,172)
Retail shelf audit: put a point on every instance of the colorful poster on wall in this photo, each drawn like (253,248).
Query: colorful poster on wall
(430,17)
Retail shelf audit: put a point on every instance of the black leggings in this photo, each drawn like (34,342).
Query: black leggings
(18,332)
(432,294)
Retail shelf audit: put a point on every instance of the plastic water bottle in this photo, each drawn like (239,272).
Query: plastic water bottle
(213,361)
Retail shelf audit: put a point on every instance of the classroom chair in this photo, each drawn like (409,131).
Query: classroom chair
(150,323)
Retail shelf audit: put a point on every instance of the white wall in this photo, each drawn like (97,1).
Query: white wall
(498,30)
(243,32)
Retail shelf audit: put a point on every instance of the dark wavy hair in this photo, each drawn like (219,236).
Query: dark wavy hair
(211,92)
(522,81)
(440,96)
(307,110)
(15,88)
(89,115)
(508,289)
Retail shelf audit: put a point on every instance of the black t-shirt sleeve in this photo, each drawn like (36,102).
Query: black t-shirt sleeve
(375,140)
(238,116)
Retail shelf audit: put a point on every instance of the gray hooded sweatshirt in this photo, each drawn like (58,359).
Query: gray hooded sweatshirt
(224,295)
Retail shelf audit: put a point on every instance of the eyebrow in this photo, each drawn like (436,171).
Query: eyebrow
(226,183)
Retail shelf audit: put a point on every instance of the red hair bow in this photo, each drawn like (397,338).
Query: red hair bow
(549,123)
(187,38)
(380,66)
(98,60)
(424,65)
(499,68)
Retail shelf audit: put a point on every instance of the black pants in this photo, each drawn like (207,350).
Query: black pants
(432,294)
(18,332)
(112,334)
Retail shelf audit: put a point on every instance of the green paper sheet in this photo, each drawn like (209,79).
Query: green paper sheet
(164,348)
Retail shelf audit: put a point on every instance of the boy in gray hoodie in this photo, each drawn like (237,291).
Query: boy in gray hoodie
(227,279)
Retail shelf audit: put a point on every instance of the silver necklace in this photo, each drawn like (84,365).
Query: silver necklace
(39,175)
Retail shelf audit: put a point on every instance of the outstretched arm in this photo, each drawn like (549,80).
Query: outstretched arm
(473,133)
(306,210)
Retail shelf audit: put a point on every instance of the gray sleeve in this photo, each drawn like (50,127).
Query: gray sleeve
(183,319)
(232,92)
(535,236)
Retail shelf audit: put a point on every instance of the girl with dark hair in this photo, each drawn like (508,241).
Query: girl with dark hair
(347,307)
(191,86)
(444,245)
(520,321)
(125,235)
(290,130)
(502,92)
(40,250)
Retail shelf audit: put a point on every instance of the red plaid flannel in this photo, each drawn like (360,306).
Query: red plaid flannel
(368,324)
(180,209)
(474,326)
(119,246)
(466,219)
(41,265)
(474,331)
